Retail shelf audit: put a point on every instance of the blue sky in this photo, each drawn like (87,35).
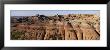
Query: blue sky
(50,12)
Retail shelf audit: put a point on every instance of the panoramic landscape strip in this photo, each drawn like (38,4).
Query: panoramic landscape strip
(58,26)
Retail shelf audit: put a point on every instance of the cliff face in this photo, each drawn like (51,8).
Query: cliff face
(58,27)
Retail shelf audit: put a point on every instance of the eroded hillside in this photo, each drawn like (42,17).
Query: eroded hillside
(58,27)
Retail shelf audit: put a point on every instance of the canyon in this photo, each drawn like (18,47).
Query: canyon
(57,27)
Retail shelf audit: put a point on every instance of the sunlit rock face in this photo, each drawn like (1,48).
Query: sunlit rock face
(58,27)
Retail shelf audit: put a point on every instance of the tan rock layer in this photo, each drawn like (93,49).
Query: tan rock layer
(77,28)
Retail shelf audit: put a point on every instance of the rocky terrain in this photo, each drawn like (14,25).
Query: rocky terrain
(57,27)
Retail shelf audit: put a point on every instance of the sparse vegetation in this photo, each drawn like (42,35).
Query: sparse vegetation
(57,27)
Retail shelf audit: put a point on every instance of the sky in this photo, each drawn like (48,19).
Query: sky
(51,12)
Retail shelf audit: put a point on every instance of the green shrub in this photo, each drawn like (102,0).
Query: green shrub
(16,34)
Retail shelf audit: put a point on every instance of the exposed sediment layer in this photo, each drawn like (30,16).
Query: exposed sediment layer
(58,27)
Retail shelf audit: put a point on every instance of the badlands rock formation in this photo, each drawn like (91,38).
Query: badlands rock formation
(58,27)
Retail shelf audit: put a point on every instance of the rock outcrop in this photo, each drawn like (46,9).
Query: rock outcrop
(58,27)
